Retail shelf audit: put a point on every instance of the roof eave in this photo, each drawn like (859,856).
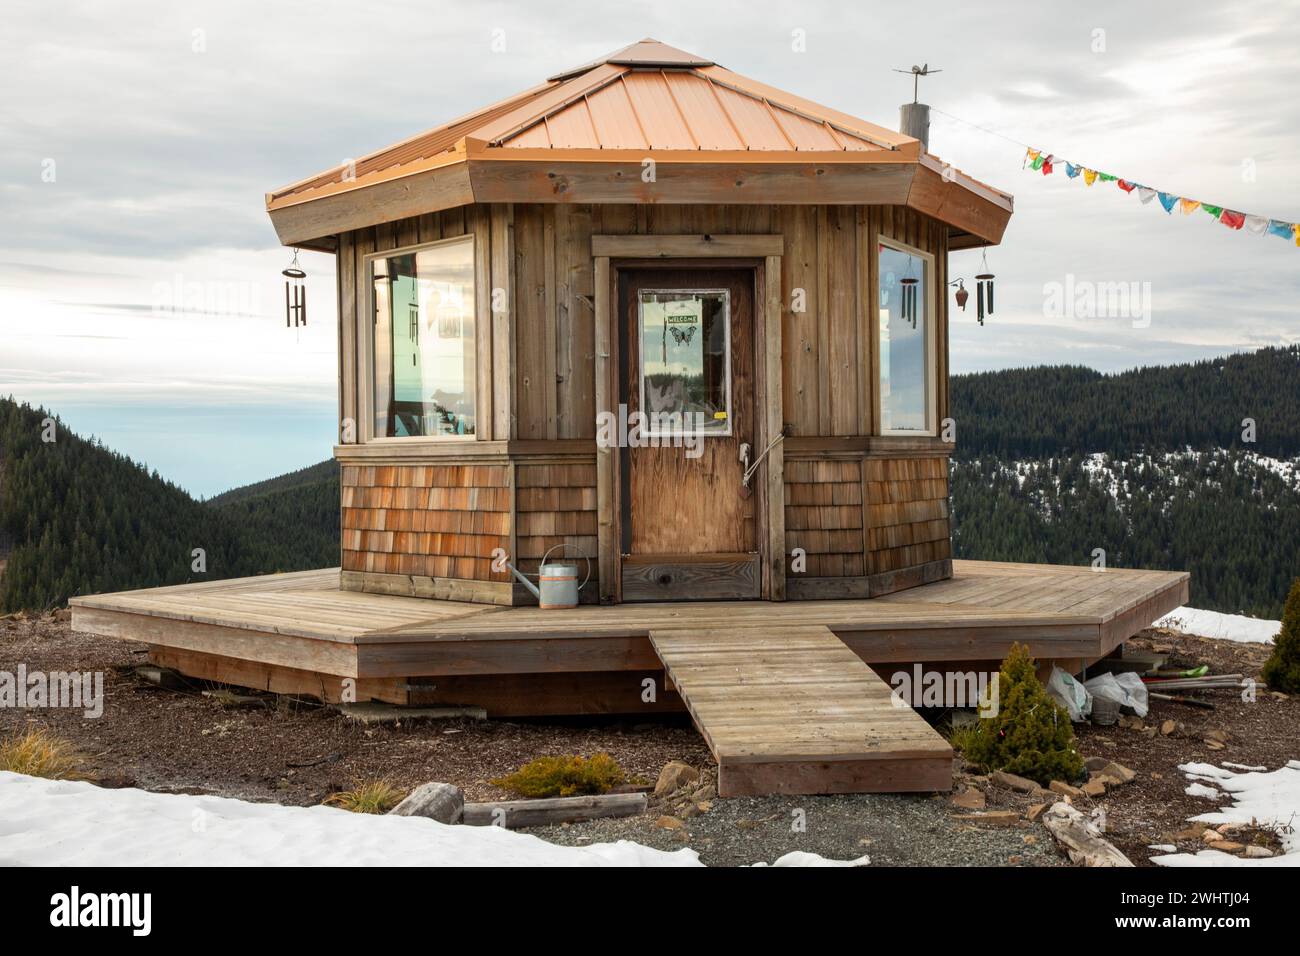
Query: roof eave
(476,172)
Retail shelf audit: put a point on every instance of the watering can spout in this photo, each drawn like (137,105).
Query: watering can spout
(524,581)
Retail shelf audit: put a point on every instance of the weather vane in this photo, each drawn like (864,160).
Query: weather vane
(918,72)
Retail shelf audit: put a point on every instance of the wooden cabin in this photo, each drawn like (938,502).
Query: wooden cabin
(662,317)
(647,233)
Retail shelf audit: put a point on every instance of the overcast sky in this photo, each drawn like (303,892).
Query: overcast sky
(137,141)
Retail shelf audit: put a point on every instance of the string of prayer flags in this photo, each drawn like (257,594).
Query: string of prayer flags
(1046,163)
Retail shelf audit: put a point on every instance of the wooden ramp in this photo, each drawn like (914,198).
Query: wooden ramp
(790,709)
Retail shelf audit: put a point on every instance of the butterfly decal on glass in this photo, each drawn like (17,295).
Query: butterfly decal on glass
(683,336)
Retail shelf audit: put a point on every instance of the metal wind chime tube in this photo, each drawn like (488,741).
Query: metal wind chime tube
(984,290)
(295,294)
(908,306)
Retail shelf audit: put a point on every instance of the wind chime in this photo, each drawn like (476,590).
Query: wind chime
(962,295)
(413,330)
(984,289)
(295,294)
(908,305)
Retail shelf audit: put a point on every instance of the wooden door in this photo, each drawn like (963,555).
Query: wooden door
(689,530)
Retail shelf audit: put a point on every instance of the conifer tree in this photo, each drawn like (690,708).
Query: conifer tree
(1282,669)
(1030,735)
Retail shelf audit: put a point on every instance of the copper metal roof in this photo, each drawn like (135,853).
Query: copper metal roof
(646,96)
(718,136)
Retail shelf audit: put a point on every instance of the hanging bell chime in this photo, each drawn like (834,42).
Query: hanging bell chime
(962,295)
(909,299)
(295,294)
(984,292)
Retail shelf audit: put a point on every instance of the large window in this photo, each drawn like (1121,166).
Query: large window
(685,361)
(423,345)
(907,361)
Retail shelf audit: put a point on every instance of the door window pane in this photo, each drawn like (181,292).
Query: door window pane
(905,373)
(424,341)
(685,361)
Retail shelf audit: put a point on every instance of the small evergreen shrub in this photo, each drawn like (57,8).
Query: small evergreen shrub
(1282,669)
(567,776)
(1030,736)
(40,754)
(370,796)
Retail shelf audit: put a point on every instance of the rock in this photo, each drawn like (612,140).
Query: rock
(968,800)
(1191,833)
(1163,848)
(63,614)
(992,818)
(1130,722)
(1218,736)
(1010,781)
(1168,727)
(1037,811)
(1094,788)
(1119,772)
(1258,852)
(1212,836)
(1150,731)
(1227,846)
(1214,745)
(674,776)
(704,806)
(437,801)
(1229,828)
(1096,763)
(1029,840)
(1066,790)
(1278,695)
(705,794)
(669,823)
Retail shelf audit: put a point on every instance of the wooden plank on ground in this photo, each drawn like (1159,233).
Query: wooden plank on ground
(790,709)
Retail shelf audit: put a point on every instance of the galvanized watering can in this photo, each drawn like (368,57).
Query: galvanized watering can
(557,581)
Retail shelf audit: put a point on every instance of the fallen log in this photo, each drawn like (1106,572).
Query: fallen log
(515,814)
(1081,839)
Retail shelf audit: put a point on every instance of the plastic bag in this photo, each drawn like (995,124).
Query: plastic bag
(1126,689)
(1070,694)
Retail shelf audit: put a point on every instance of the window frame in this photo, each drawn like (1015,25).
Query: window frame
(366,339)
(640,372)
(931,429)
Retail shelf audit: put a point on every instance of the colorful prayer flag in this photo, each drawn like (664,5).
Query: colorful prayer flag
(1168,200)
(1072,170)
(1257,225)
(1276,227)
(1232,219)
(1090,176)
(1146,194)
(1127,186)
(1188,206)
(1212,210)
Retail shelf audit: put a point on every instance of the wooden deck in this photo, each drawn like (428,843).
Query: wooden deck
(298,633)
(792,710)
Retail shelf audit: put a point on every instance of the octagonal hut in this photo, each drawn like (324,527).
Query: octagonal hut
(687,335)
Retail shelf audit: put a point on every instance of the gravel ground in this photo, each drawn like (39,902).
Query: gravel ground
(892,830)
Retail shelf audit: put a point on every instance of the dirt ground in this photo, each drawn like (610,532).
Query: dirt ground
(298,752)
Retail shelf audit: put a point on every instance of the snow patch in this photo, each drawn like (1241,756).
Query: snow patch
(1265,799)
(1224,627)
(65,823)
